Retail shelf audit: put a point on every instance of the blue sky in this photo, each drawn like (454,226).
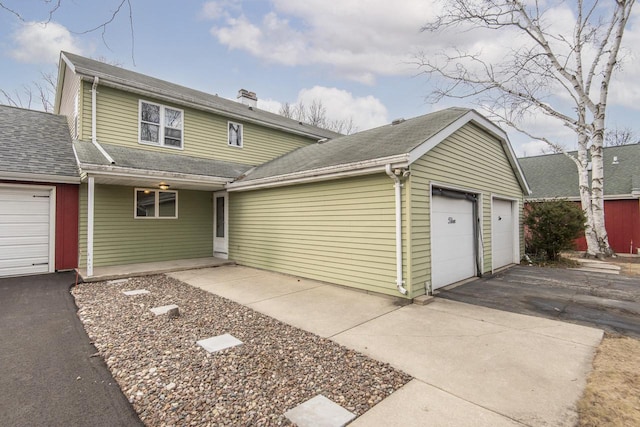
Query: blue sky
(354,55)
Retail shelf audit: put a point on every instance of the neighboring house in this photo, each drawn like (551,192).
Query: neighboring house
(555,176)
(171,173)
(39,184)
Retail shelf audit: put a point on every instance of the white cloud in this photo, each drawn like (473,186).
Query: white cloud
(340,105)
(357,40)
(532,148)
(270,105)
(367,111)
(37,43)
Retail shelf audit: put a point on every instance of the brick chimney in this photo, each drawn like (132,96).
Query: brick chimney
(247,98)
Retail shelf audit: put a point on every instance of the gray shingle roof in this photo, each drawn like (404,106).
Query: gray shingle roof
(35,143)
(106,72)
(134,158)
(385,141)
(555,175)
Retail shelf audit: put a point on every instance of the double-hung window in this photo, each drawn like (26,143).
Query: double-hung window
(160,125)
(150,203)
(234,134)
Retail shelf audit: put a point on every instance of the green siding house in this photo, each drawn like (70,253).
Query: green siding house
(171,173)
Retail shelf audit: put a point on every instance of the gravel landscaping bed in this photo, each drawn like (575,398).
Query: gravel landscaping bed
(170,380)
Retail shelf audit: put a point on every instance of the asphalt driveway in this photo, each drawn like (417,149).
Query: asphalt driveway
(607,301)
(47,374)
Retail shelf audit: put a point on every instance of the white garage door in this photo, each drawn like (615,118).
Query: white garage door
(24,231)
(452,240)
(503,233)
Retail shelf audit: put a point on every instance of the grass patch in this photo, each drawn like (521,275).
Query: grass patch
(612,394)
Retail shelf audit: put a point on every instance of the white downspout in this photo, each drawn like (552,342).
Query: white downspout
(94,109)
(398,192)
(90,211)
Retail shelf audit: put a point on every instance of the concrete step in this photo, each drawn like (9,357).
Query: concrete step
(604,266)
(596,270)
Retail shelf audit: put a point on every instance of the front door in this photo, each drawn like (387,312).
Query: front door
(221,224)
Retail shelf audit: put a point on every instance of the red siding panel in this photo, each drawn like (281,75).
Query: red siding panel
(67,199)
(622,219)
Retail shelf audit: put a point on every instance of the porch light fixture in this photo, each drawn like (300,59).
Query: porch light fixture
(163,186)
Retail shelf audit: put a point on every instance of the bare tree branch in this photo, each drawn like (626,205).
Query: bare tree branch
(539,77)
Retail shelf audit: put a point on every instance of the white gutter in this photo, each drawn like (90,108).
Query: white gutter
(321,174)
(116,171)
(398,190)
(39,177)
(90,213)
(94,109)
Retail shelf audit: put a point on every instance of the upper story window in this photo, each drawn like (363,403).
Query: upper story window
(160,125)
(234,134)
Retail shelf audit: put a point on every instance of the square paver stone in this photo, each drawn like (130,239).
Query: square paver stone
(319,412)
(218,343)
(136,292)
(163,309)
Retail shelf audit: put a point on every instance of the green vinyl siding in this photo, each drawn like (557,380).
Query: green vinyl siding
(338,231)
(121,239)
(204,134)
(469,159)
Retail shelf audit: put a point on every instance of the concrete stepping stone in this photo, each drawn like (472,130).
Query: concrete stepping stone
(218,343)
(136,292)
(319,412)
(163,309)
(117,281)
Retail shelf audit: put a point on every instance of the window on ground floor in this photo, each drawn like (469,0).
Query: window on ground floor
(150,203)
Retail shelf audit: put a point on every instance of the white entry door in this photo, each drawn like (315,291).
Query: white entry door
(502,224)
(221,224)
(452,240)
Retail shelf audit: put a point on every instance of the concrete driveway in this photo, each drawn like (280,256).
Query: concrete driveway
(47,374)
(606,301)
(472,365)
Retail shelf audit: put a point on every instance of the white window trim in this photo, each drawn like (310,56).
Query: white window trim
(161,125)
(156,204)
(229,123)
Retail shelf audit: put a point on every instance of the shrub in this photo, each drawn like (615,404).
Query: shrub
(552,227)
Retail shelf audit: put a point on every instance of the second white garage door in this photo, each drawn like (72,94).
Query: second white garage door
(452,240)
(25,215)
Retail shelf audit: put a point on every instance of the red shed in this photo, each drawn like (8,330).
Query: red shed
(555,176)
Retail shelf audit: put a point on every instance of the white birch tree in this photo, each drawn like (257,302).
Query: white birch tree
(561,71)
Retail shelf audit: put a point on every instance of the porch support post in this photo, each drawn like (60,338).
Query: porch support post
(90,212)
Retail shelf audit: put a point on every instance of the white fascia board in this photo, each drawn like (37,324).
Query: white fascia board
(114,171)
(484,123)
(323,174)
(19,176)
(178,100)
